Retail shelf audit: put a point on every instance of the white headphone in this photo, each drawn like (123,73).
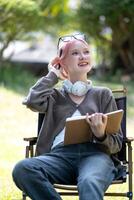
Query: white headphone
(79,88)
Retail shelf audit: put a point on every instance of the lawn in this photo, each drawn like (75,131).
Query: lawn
(17,122)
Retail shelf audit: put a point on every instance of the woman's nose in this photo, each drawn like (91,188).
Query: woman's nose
(81,57)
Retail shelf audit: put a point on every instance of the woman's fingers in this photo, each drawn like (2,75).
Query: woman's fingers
(96,118)
(97,122)
(88,118)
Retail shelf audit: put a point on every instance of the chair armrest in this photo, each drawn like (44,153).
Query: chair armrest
(31,140)
(129,139)
(30,146)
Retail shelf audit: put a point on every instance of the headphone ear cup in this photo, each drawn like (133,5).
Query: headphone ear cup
(79,88)
(75,88)
(68,86)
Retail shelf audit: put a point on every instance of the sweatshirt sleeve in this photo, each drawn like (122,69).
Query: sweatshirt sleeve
(37,99)
(113,142)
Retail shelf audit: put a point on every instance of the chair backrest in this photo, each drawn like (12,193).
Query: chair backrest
(40,120)
(121,104)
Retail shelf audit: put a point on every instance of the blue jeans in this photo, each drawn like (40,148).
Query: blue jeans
(82,164)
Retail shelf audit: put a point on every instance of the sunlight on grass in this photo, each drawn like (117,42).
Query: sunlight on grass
(18,122)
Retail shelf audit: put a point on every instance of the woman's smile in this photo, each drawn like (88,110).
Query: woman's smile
(83,64)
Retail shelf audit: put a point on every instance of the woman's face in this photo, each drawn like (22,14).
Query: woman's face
(77,59)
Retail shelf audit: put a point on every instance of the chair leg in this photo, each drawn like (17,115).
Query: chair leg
(130,195)
(24,196)
(29,153)
(130,175)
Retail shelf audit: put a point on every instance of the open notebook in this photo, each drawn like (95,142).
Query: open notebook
(77,130)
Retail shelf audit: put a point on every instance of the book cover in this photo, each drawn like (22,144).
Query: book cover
(77,130)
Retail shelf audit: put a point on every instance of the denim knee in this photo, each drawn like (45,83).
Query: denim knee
(20,172)
(90,188)
(89,183)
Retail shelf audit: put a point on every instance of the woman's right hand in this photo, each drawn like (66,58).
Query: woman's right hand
(54,66)
(54,69)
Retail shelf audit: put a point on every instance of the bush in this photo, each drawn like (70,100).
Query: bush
(16,78)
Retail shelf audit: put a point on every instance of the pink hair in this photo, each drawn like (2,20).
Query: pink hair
(65,48)
(64,51)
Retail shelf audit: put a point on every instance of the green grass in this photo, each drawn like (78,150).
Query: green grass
(17,122)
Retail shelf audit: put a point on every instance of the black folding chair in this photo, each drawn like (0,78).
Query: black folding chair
(125,155)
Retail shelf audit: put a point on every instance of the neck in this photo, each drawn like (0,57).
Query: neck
(75,78)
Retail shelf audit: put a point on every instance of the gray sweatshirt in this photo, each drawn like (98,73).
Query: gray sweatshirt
(57,106)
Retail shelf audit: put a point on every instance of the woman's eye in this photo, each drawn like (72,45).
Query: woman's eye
(75,53)
(87,52)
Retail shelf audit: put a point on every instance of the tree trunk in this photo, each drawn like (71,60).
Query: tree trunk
(124,58)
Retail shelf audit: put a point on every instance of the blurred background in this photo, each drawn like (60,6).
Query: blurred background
(29,31)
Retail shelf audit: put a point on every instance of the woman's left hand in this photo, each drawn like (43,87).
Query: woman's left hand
(97,122)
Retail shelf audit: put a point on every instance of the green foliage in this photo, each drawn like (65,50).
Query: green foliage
(18,17)
(102,13)
(16,78)
(15,17)
(110,23)
(56,15)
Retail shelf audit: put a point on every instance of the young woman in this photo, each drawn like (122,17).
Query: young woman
(90,165)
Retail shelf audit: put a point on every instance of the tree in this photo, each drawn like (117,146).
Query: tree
(56,16)
(18,17)
(111,24)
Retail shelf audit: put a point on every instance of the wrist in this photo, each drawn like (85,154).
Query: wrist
(54,70)
(52,77)
(101,138)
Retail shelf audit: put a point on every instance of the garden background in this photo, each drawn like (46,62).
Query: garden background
(109,25)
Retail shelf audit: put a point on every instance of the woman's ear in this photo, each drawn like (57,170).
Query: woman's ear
(64,72)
